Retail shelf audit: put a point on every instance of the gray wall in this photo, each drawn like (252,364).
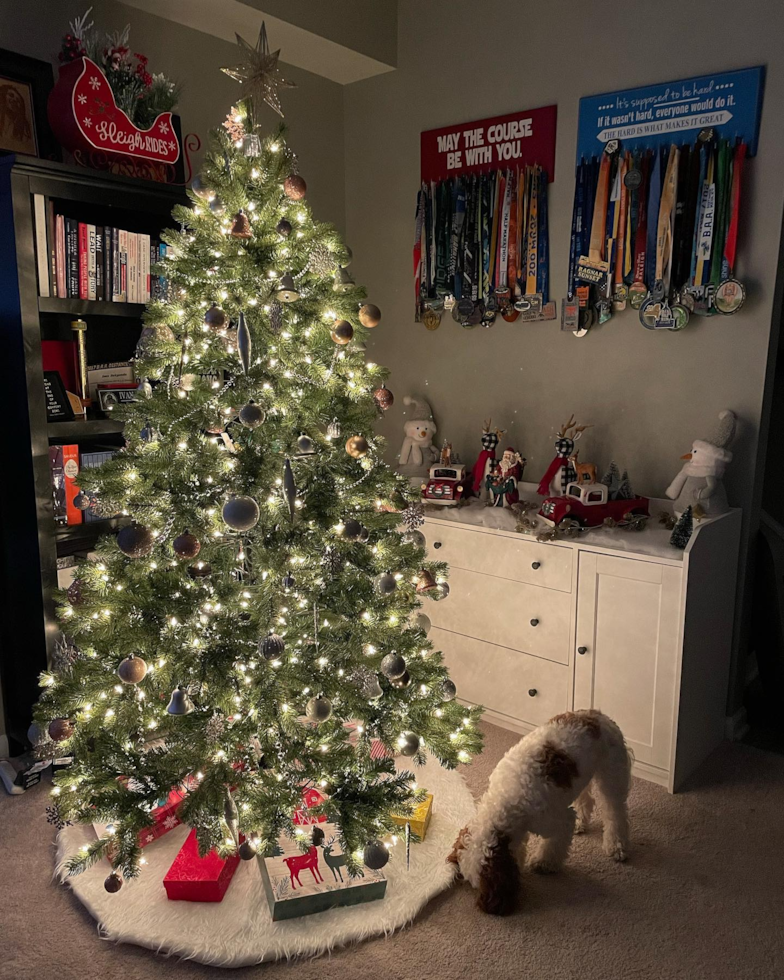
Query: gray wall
(647,394)
(314,110)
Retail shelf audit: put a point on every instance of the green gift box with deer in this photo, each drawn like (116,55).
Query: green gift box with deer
(301,881)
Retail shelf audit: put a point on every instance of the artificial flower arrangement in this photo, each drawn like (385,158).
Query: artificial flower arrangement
(141,95)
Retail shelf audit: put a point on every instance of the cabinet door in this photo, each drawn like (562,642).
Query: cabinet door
(628,613)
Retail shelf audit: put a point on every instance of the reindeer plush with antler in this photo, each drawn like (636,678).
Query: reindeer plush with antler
(561,472)
(490,440)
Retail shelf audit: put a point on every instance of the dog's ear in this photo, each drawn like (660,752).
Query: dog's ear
(457,847)
(498,880)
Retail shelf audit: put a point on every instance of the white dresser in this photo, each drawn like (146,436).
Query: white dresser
(616,620)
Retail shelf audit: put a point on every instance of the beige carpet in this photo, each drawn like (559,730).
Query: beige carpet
(702,898)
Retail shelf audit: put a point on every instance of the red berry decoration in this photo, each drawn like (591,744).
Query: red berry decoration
(294,187)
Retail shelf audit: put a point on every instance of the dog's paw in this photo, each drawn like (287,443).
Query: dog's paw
(615,849)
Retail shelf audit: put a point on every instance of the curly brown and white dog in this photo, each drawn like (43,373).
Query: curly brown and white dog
(574,758)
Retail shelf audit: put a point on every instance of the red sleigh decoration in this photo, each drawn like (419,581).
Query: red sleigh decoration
(87,121)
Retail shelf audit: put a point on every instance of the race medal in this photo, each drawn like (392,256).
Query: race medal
(686,299)
(583,294)
(633,179)
(570,313)
(729,296)
(638,293)
(491,304)
(604,309)
(619,297)
(612,147)
(706,135)
(657,291)
(664,319)
(449,302)
(465,308)
(534,302)
(431,319)
(510,314)
(702,296)
(488,318)
(649,312)
(680,315)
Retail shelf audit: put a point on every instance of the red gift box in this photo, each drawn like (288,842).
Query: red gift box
(164,817)
(199,879)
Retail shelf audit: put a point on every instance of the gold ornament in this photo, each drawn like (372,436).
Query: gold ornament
(259,71)
(294,187)
(132,670)
(357,446)
(241,226)
(342,332)
(425,581)
(369,315)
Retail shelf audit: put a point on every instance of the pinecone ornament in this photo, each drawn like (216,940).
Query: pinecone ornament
(276,316)
(215,727)
(321,261)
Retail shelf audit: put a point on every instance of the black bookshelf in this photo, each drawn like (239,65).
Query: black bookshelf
(30,541)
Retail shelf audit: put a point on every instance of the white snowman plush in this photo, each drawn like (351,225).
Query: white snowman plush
(699,482)
(418,451)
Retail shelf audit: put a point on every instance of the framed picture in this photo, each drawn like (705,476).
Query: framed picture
(25,84)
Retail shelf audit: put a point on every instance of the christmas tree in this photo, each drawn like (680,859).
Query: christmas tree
(254,628)
(683,530)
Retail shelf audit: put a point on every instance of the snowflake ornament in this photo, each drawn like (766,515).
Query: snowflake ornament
(322,262)
(332,561)
(414,516)
(234,126)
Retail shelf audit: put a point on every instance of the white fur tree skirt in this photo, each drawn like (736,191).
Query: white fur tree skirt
(239,930)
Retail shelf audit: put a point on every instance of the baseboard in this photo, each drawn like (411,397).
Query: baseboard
(736,726)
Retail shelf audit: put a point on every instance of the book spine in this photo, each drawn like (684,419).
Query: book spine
(123,266)
(72,251)
(133,267)
(62,278)
(144,265)
(71,471)
(115,265)
(84,261)
(41,247)
(91,294)
(58,483)
(51,235)
(107,264)
(99,246)
(162,281)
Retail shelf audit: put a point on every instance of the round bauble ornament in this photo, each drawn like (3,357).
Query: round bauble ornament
(385,583)
(240,227)
(375,855)
(186,545)
(448,690)
(82,501)
(414,537)
(135,541)
(288,582)
(271,646)
(148,434)
(294,187)
(357,446)
(200,189)
(247,850)
(342,332)
(364,535)
(217,206)
(252,415)
(384,398)
(132,670)
(443,589)
(369,315)
(287,289)
(144,388)
(318,709)
(352,529)
(60,729)
(179,703)
(334,429)
(305,445)
(152,338)
(202,569)
(408,743)
(283,228)
(215,318)
(401,682)
(113,883)
(422,622)
(393,666)
(241,513)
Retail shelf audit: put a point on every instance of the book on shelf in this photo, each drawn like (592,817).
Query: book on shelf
(58,484)
(70,474)
(115,372)
(79,260)
(91,461)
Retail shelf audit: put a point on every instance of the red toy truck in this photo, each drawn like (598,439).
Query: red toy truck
(587,505)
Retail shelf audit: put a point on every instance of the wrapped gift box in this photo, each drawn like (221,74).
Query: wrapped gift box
(199,879)
(299,884)
(419,819)
(164,818)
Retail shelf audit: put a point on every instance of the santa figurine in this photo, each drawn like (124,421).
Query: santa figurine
(481,470)
(511,472)
(561,472)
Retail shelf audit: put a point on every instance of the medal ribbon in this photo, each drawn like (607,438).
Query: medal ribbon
(514,207)
(723,189)
(543,272)
(503,246)
(533,234)
(458,220)
(469,252)
(596,243)
(577,220)
(418,225)
(622,224)
(654,196)
(707,216)
(731,243)
(641,227)
(664,227)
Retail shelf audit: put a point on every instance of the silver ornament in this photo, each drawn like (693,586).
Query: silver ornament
(343,282)
(200,189)
(251,146)
(247,850)
(241,513)
(318,709)
(375,855)
(251,415)
(271,646)
(414,537)
(287,289)
(448,690)
(401,682)
(231,816)
(217,206)
(276,316)
(82,501)
(352,529)
(144,388)
(422,622)
(179,703)
(364,535)
(393,666)
(321,261)
(305,445)
(288,582)
(367,682)
(148,434)
(385,583)
(443,588)
(244,344)
(334,429)
(289,487)
(408,743)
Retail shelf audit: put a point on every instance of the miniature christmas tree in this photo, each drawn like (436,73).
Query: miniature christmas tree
(612,480)
(625,491)
(262,597)
(683,530)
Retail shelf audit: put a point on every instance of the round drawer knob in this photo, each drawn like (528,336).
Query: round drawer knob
(582,650)
(436,544)
(532,692)
(534,622)
(536,564)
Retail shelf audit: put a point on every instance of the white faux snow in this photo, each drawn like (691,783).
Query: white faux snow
(239,930)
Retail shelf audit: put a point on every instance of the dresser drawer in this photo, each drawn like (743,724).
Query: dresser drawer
(506,613)
(519,559)
(520,687)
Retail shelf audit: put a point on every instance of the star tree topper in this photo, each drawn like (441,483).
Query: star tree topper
(259,71)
